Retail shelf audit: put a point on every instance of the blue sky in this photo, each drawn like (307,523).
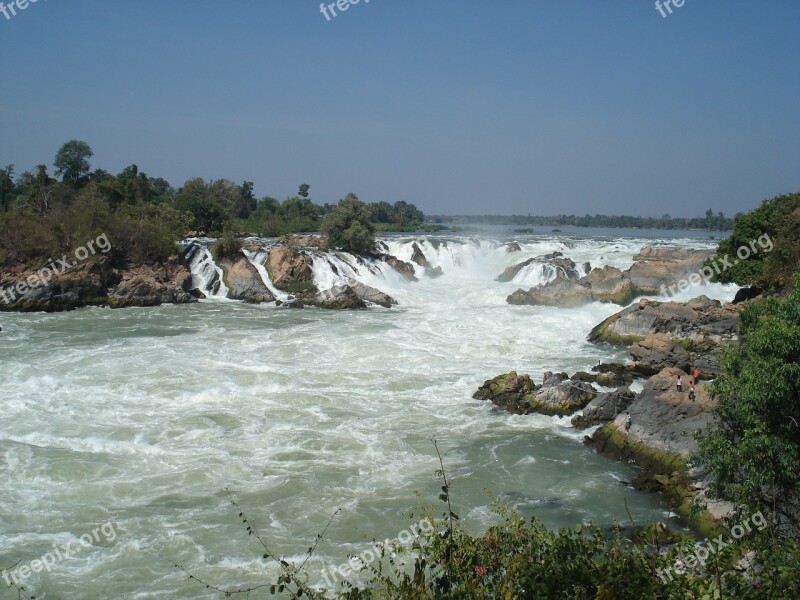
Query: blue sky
(460,106)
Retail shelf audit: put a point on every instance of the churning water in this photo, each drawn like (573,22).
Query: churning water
(142,417)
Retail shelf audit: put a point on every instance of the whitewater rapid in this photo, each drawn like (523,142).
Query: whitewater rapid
(143,416)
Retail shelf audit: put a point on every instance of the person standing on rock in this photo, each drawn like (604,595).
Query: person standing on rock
(628,422)
(679,384)
(692,395)
(696,375)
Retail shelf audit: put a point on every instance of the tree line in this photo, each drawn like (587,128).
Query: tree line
(710,222)
(43,215)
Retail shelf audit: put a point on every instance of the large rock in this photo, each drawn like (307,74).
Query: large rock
(564,266)
(517,394)
(418,256)
(656,269)
(604,408)
(243,281)
(701,322)
(659,442)
(95,283)
(339,297)
(153,285)
(657,352)
(297,240)
(405,269)
(291,270)
(371,294)
(664,419)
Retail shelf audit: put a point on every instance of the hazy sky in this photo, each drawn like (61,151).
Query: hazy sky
(460,106)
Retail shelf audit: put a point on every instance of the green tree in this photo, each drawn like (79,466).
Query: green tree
(6,186)
(349,228)
(72,161)
(753,449)
(303,191)
(212,204)
(769,268)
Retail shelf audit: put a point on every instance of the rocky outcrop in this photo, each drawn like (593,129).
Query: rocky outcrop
(558,395)
(418,256)
(656,269)
(339,297)
(564,266)
(604,408)
(701,323)
(152,285)
(608,284)
(371,294)
(405,269)
(97,284)
(296,240)
(661,439)
(243,281)
(513,247)
(291,270)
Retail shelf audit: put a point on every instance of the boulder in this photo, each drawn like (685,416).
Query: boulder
(513,247)
(510,392)
(339,297)
(405,269)
(604,408)
(561,396)
(418,256)
(297,240)
(564,266)
(517,394)
(371,294)
(612,374)
(602,285)
(657,352)
(702,323)
(243,281)
(97,284)
(291,270)
(664,419)
(657,269)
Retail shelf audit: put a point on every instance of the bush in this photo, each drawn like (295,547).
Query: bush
(349,228)
(228,246)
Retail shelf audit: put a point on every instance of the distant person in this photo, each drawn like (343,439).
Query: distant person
(696,375)
(679,384)
(692,394)
(628,423)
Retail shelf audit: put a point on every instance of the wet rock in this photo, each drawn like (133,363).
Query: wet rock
(418,256)
(701,322)
(243,281)
(371,294)
(339,297)
(405,269)
(291,270)
(517,394)
(513,247)
(297,240)
(604,408)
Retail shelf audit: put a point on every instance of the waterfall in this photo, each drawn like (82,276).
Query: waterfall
(259,259)
(207,277)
